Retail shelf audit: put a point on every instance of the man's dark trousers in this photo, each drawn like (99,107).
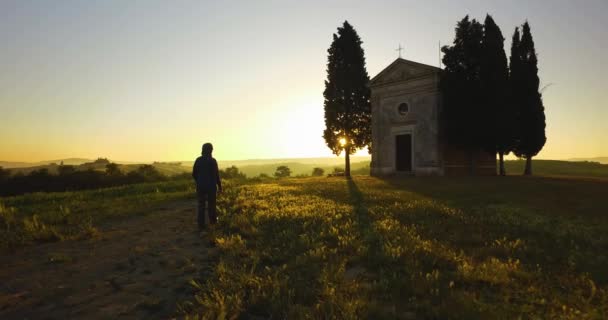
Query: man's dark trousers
(206,198)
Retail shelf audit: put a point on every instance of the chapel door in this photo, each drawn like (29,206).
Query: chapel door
(403,152)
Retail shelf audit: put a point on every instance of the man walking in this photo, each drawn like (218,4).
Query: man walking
(206,174)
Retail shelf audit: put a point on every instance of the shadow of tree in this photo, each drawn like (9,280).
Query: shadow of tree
(535,212)
(371,248)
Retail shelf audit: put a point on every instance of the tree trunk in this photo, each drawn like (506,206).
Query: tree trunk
(347,162)
(501,162)
(473,163)
(528,171)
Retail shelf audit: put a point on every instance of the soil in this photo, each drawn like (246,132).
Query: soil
(133,269)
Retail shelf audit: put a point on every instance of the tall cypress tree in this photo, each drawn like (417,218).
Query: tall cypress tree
(528,100)
(461,88)
(347,96)
(494,75)
(516,83)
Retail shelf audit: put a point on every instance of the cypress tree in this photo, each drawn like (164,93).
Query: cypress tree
(528,100)
(461,88)
(347,96)
(498,118)
(515,83)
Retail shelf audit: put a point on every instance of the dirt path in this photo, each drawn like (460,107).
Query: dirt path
(136,268)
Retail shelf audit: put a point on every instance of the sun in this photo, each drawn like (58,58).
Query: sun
(342,141)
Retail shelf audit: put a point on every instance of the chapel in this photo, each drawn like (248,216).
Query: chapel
(407,133)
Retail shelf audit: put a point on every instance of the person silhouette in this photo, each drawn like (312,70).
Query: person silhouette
(208,183)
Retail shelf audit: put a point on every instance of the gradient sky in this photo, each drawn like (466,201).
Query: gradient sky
(153,80)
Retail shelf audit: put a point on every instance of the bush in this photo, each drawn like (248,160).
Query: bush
(4,174)
(149,173)
(232,173)
(101,161)
(282,172)
(317,172)
(69,179)
(65,170)
(113,170)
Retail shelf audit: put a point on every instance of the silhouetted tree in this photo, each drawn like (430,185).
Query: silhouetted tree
(527,98)
(494,75)
(101,161)
(113,170)
(515,81)
(461,88)
(4,174)
(347,104)
(282,172)
(39,179)
(72,178)
(149,173)
(317,172)
(65,170)
(232,173)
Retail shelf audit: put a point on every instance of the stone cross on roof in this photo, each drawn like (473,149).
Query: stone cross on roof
(399,49)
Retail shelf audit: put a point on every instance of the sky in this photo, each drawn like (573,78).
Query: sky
(153,80)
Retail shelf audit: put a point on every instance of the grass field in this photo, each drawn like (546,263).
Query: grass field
(459,248)
(433,247)
(43,217)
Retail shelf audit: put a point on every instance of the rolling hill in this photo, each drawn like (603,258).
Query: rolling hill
(23,164)
(304,166)
(602,160)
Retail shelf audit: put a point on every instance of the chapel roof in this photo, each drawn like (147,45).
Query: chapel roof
(413,68)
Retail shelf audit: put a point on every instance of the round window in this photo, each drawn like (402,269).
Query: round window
(404,108)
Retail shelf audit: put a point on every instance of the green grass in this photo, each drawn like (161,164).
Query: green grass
(40,217)
(433,247)
(443,248)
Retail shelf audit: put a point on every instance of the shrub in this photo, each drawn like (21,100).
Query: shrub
(112,169)
(232,173)
(282,172)
(317,172)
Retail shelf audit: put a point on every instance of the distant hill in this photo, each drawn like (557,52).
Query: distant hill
(591,167)
(603,160)
(299,168)
(20,164)
(251,168)
(166,168)
(320,161)
(559,168)
(9,164)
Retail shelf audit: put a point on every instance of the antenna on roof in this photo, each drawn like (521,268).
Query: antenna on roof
(439,54)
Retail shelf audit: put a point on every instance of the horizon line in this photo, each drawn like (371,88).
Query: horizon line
(581,158)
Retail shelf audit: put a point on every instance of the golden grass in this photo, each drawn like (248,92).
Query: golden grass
(413,248)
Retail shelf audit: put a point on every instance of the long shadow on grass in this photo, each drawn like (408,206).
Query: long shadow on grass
(364,222)
(432,237)
(536,210)
(397,280)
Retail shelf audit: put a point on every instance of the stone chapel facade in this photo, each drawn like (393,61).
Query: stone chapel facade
(407,136)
